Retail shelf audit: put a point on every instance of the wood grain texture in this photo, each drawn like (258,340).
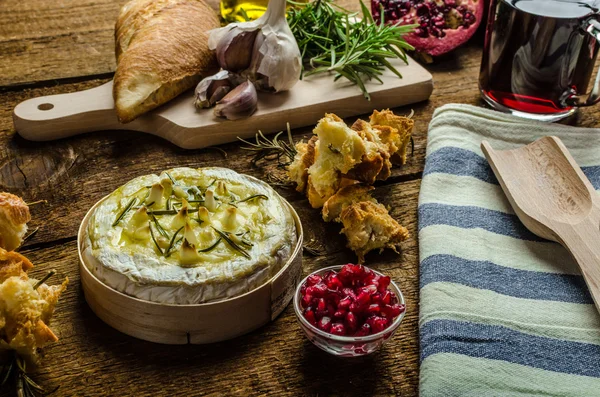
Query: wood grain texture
(178,121)
(43,40)
(554,199)
(91,359)
(73,174)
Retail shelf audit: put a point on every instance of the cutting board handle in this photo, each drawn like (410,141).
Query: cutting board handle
(60,116)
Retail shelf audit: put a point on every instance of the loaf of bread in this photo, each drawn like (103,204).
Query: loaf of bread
(162,51)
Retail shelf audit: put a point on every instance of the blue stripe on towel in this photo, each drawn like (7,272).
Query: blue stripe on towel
(501,343)
(469,217)
(504,280)
(462,162)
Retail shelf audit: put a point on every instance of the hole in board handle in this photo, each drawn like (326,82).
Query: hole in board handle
(45,106)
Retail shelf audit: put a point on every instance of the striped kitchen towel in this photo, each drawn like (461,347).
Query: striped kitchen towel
(503,312)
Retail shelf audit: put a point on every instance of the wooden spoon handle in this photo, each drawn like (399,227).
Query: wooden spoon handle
(60,116)
(584,245)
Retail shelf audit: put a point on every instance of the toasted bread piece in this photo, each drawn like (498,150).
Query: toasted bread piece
(345,197)
(13,264)
(162,51)
(24,311)
(369,226)
(305,157)
(14,215)
(338,149)
(397,137)
(376,165)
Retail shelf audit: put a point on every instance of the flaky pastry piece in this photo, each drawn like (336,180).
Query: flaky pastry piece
(369,226)
(395,131)
(345,197)
(13,264)
(25,312)
(14,215)
(304,158)
(340,152)
(379,167)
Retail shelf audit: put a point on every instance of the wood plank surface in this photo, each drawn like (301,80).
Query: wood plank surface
(69,40)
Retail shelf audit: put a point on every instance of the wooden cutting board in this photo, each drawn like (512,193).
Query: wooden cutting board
(60,116)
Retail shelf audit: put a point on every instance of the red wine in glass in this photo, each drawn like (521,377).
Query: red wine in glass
(539,56)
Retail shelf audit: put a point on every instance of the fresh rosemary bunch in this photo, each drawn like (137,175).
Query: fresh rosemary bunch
(333,40)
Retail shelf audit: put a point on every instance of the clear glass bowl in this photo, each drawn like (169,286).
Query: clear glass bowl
(346,346)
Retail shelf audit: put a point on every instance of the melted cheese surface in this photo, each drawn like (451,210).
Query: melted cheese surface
(189,236)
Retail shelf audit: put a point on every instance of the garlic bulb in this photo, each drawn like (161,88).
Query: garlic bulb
(274,63)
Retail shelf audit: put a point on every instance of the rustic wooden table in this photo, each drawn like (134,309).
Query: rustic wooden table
(55,46)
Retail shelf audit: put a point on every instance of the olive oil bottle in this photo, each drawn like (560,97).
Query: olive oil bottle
(242,10)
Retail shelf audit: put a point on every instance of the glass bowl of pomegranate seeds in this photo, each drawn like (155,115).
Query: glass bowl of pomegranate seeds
(349,310)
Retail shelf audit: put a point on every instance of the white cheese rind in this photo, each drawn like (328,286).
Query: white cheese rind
(137,269)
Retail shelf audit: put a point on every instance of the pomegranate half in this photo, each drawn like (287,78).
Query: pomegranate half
(443,24)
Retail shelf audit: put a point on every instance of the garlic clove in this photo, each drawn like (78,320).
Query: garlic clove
(230,222)
(139,217)
(209,200)
(212,89)
(142,232)
(239,103)
(234,49)
(188,255)
(180,219)
(188,234)
(222,189)
(155,197)
(167,185)
(179,192)
(203,214)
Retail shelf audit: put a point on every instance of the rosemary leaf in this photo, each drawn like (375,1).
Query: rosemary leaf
(212,246)
(125,211)
(172,243)
(232,243)
(9,369)
(159,227)
(154,239)
(255,196)
(44,279)
(331,40)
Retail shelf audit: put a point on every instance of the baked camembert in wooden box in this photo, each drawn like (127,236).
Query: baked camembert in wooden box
(190,255)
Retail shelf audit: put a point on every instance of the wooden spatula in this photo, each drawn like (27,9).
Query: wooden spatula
(554,199)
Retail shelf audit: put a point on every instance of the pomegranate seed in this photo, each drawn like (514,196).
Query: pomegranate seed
(364,330)
(313,279)
(331,309)
(306,300)
(374,309)
(334,282)
(349,292)
(338,329)
(351,321)
(345,303)
(384,283)
(356,298)
(363,298)
(386,297)
(303,289)
(340,314)
(321,304)
(324,324)
(317,290)
(310,316)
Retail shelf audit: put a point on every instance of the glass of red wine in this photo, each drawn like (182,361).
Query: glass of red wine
(539,57)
